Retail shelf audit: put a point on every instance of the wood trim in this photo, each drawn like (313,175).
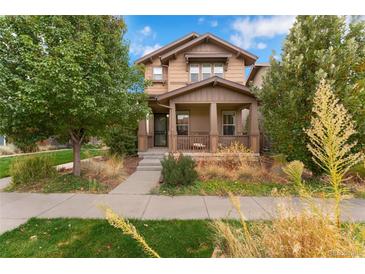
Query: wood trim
(251,58)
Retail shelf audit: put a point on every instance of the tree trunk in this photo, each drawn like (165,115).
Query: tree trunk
(76,147)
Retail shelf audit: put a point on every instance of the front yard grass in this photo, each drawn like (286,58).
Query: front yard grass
(58,157)
(77,238)
(223,187)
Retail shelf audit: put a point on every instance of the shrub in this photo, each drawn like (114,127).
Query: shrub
(31,169)
(26,146)
(179,171)
(122,141)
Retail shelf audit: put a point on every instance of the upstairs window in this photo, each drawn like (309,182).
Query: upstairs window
(218,70)
(194,72)
(182,122)
(229,125)
(206,71)
(157,73)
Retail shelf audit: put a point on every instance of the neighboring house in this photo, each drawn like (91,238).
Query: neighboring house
(2,140)
(198,96)
(257,74)
(255,78)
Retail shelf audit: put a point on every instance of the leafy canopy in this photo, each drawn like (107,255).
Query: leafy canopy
(62,75)
(317,47)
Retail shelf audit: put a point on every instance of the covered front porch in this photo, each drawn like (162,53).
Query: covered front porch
(202,120)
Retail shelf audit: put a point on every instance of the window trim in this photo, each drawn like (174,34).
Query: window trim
(222,69)
(199,70)
(188,124)
(232,112)
(153,74)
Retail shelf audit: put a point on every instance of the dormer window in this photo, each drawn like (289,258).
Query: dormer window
(194,72)
(206,71)
(157,73)
(218,70)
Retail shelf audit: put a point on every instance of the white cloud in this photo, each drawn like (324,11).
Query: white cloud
(201,20)
(247,30)
(146,31)
(140,50)
(214,23)
(148,49)
(261,45)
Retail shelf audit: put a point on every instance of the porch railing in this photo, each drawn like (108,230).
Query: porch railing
(193,143)
(226,141)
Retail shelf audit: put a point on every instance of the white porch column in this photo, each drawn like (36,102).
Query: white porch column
(254,131)
(213,127)
(172,128)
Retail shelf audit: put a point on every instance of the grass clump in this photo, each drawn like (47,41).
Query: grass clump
(31,170)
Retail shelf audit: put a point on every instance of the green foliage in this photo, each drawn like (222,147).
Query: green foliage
(66,76)
(179,171)
(317,47)
(122,140)
(32,169)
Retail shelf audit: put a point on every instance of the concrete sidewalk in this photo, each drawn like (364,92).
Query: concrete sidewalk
(17,208)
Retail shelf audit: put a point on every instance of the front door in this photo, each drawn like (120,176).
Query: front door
(160,130)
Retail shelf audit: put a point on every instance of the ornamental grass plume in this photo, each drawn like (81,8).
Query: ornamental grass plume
(128,229)
(329,135)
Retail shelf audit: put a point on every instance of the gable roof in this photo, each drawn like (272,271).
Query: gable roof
(249,57)
(215,80)
(170,46)
(255,69)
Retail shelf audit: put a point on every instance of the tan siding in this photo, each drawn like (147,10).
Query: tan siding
(156,88)
(177,76)
(236,70)
(213,94)
(208,47)
(198,118)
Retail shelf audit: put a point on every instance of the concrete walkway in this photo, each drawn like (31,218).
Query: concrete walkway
(17,208)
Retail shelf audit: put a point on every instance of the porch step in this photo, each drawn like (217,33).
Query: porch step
(149,168)
(150,162)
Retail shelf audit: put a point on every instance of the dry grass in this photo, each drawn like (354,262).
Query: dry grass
(108,170)
(240,171)
(234,147)
(9,149)
(302,235)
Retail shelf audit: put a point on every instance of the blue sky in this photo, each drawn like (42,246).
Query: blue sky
(260,35)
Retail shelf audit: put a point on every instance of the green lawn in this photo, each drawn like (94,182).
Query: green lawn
(222,187)
(63,184)
(96,238)
(58,157)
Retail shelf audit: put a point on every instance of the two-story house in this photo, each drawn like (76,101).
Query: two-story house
(198,96)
